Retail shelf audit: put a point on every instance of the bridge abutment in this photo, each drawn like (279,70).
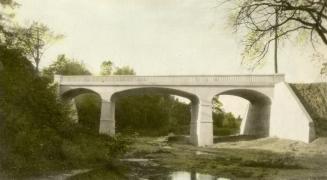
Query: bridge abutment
(257,120)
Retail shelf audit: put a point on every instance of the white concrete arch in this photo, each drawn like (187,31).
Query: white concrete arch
(257,120)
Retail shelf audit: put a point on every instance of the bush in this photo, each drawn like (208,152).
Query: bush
(225,124)
(36,133)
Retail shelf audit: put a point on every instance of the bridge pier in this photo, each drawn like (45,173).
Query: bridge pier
(205,125)
(107,118)
(194,123)
(201,132)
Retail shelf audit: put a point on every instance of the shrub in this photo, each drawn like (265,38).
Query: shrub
(36,132)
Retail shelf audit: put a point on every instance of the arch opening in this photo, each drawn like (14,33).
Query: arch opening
(241,114)
(86,107)
(153,111)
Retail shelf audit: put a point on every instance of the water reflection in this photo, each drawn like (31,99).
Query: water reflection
(182,175)
(104,173)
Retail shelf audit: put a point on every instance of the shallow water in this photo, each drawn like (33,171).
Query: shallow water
(176,175)
(183,175)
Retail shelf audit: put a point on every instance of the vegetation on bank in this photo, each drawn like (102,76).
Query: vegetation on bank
(314,98)
(36,132)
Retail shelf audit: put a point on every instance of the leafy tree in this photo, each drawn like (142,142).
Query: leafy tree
(125,70)
(5,18)
(87,105)
(324,69)
(31,128)
(106,68)
(65,66)
(4,2)
(270,20)
(33,40)
(224,123)
(36,133)
(217,105)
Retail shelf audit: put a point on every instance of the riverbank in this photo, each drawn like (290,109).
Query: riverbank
(268,158)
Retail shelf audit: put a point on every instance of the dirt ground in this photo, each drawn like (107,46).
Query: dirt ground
(317,147)
(266,158)
(229,158)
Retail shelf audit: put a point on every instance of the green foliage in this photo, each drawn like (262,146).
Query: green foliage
(89,109)
(324,69)
(225,124)
(32,127)
(65,66)
(33,40)
(314,98)
(6,2)
(216,105)
(125,70)
(85,150)
(261,22)
(88,105)
(152,115)
(106,68)
(36,133)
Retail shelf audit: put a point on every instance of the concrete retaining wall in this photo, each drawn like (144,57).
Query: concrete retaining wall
(289,119)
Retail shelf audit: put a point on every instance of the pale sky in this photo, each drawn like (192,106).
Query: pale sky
(157,37)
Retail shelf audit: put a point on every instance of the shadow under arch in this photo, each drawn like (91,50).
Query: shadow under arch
(194,101)
(257,119)
(86,107)
(155,90)
(72,93)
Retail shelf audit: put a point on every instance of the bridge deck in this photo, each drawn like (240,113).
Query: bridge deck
(180,80)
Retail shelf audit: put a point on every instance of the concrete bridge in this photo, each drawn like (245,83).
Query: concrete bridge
(274,109)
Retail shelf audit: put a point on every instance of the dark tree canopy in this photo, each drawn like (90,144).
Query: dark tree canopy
(289,17)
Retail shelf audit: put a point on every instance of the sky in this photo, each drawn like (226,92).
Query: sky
(157,37)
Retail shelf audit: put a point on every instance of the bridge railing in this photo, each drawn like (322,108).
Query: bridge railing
(203,80)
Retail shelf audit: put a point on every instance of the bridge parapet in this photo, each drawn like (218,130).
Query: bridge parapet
(184,80)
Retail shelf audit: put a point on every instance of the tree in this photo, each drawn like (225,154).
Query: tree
(33,41)
(106,67)
(6,2)
(324,69)
(31,128)
(65,66)
(125,70)
(37,136)
(270,20)
(216,105)
(5,18)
